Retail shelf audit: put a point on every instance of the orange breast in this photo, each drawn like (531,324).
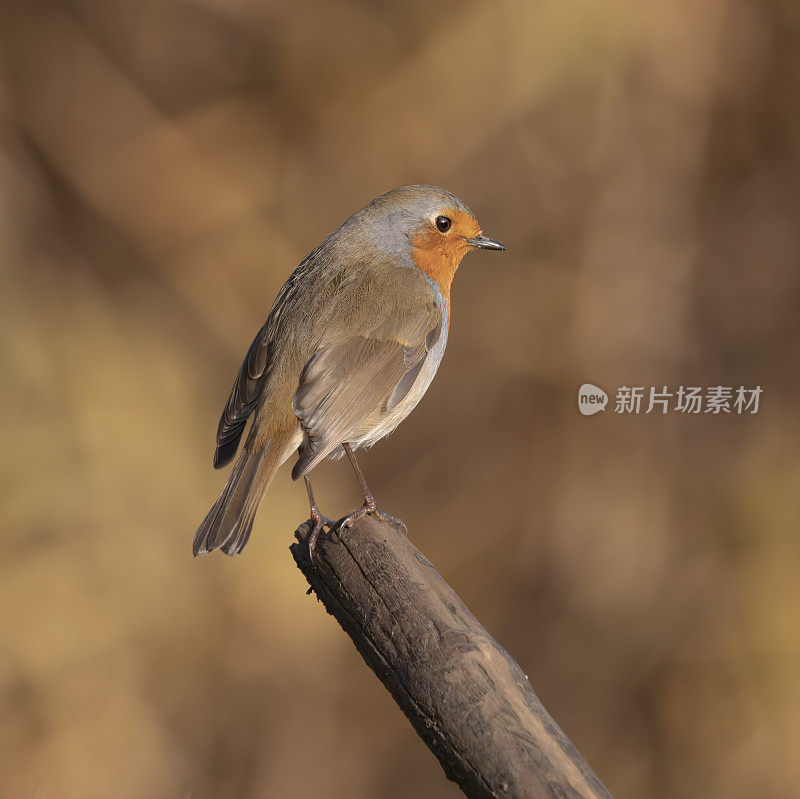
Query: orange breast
(439,254)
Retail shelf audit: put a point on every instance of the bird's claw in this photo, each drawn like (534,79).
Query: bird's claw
(387,517)
(320,522)
(368,509)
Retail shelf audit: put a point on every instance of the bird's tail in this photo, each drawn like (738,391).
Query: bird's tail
(228,524)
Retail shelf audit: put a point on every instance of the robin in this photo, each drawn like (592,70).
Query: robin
(351,344)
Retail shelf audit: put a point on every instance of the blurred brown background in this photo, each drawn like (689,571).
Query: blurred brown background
(163,167)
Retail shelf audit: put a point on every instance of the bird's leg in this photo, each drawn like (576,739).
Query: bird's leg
(320,521)
(369,506)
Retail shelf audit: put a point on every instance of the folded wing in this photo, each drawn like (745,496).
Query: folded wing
(348,381)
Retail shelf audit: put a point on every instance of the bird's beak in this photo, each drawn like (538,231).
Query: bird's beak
(485,243)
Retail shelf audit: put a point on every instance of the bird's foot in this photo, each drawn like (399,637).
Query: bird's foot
(320,522)
(387,517)
(369,508)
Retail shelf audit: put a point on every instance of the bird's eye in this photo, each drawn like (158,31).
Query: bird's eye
(443,223)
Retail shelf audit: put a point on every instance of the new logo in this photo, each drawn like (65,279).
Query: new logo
(591,399)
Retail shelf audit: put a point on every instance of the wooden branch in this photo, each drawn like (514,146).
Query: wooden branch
(466,697)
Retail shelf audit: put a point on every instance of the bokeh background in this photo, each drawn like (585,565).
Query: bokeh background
(163,167)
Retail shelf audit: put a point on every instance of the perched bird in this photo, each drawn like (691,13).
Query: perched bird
(351,344)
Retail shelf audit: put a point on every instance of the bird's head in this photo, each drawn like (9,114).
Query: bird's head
(428,227)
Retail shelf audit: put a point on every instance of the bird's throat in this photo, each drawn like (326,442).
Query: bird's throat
(438,260)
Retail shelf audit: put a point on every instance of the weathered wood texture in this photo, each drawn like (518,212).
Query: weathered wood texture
(466,697)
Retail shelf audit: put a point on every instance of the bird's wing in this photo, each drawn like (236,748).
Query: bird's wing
(249,383)
(347,380)
(244,395)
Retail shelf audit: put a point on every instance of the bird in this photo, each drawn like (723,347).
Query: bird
(350,346)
